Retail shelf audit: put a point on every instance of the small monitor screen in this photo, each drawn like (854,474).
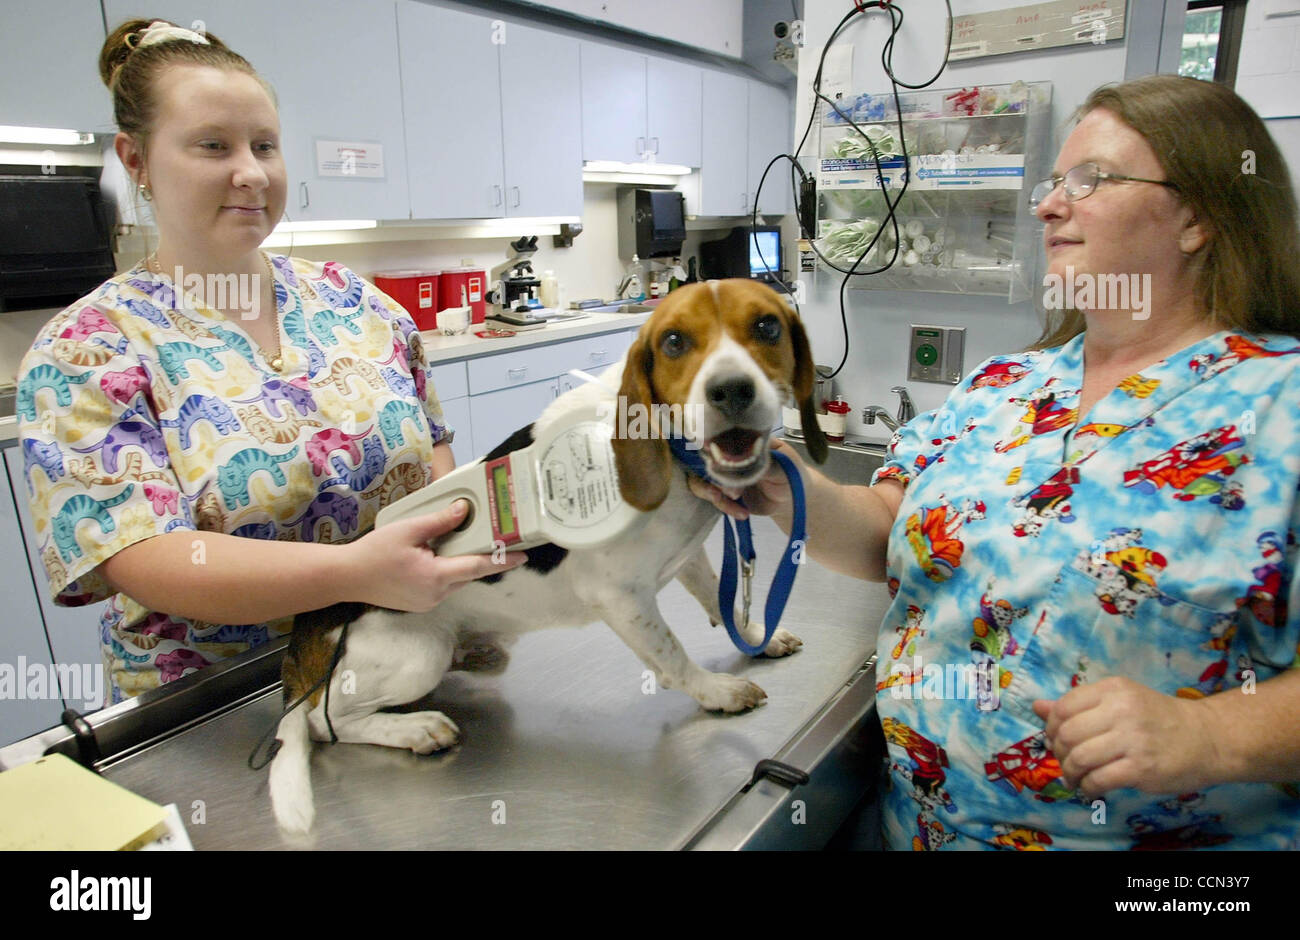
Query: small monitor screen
(767,241)
(501,485)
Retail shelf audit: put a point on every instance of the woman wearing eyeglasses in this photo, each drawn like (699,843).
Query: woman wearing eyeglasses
(1093,639)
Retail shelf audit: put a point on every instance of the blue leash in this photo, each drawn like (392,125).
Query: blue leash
(779,592)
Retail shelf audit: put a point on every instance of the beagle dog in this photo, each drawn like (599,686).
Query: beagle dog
(730,354)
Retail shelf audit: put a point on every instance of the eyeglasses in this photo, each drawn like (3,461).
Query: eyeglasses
(1080,181)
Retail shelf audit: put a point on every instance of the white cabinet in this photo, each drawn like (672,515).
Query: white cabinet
(749,123)
(48,66)
(333,65)
(771,132)
(24,649)
(452,388)
(340,108)
(497,415)
(673,111)
(457,413)
(541,119)
(509,390)
(453,137)
(240,24)
(613,104)
(493,116)
(73,632)
(637,107)
(724,167)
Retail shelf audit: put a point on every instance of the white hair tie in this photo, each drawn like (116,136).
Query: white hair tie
(160,31)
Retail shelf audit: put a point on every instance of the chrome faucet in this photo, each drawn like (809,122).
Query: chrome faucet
(906,411)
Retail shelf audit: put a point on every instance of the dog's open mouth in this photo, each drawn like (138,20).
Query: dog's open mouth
(735,454)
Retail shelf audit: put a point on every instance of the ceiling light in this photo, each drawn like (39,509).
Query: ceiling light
(49,136)
(656,169)
(328,225)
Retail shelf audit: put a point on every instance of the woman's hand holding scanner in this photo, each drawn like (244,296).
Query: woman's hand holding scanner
(562,488)
(393,566)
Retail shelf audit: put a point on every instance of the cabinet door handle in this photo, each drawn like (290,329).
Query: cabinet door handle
(555,390)
(640,146)
(516,189)
(598,355)
(303,197)
(517,373)
(656,147)
(496,194)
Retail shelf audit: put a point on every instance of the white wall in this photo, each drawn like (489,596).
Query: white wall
(879,320)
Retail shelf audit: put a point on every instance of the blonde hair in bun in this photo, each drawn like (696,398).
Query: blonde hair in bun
(130,67)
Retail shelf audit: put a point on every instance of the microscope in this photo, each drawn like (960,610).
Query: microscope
(510,291)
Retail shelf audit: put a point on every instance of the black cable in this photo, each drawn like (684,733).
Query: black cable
(334,738)
(799,177)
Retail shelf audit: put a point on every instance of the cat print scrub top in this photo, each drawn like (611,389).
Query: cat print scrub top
(139,416)
(1037,549)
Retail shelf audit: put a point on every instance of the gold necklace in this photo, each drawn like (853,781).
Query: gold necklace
(276,360)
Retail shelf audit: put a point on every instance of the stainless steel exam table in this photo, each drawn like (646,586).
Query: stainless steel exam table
(569,748)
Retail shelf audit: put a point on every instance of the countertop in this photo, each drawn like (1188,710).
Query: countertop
(442,349)
(567,749)
(439,348)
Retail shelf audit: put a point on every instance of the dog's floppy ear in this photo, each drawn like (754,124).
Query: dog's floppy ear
(643,463)
(805,382)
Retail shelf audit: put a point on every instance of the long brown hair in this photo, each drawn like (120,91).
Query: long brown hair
(1217,151)
(131,72)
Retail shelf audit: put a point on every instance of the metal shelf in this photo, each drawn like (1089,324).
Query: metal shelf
(962,219)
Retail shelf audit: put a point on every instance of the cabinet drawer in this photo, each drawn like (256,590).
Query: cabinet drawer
(449,381)
(508,370)
(597,352)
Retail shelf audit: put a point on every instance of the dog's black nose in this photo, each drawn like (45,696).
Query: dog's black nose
(731,396)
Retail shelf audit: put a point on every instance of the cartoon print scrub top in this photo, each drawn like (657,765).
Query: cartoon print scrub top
(138,418)
(1037,549)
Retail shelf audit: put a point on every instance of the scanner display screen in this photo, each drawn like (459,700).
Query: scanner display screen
(501,487)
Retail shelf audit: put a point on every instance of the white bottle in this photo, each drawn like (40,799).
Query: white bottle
(549,292)
(635,289)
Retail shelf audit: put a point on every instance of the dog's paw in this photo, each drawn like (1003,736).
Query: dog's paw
(783,643)
(426,732)
(719,692)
